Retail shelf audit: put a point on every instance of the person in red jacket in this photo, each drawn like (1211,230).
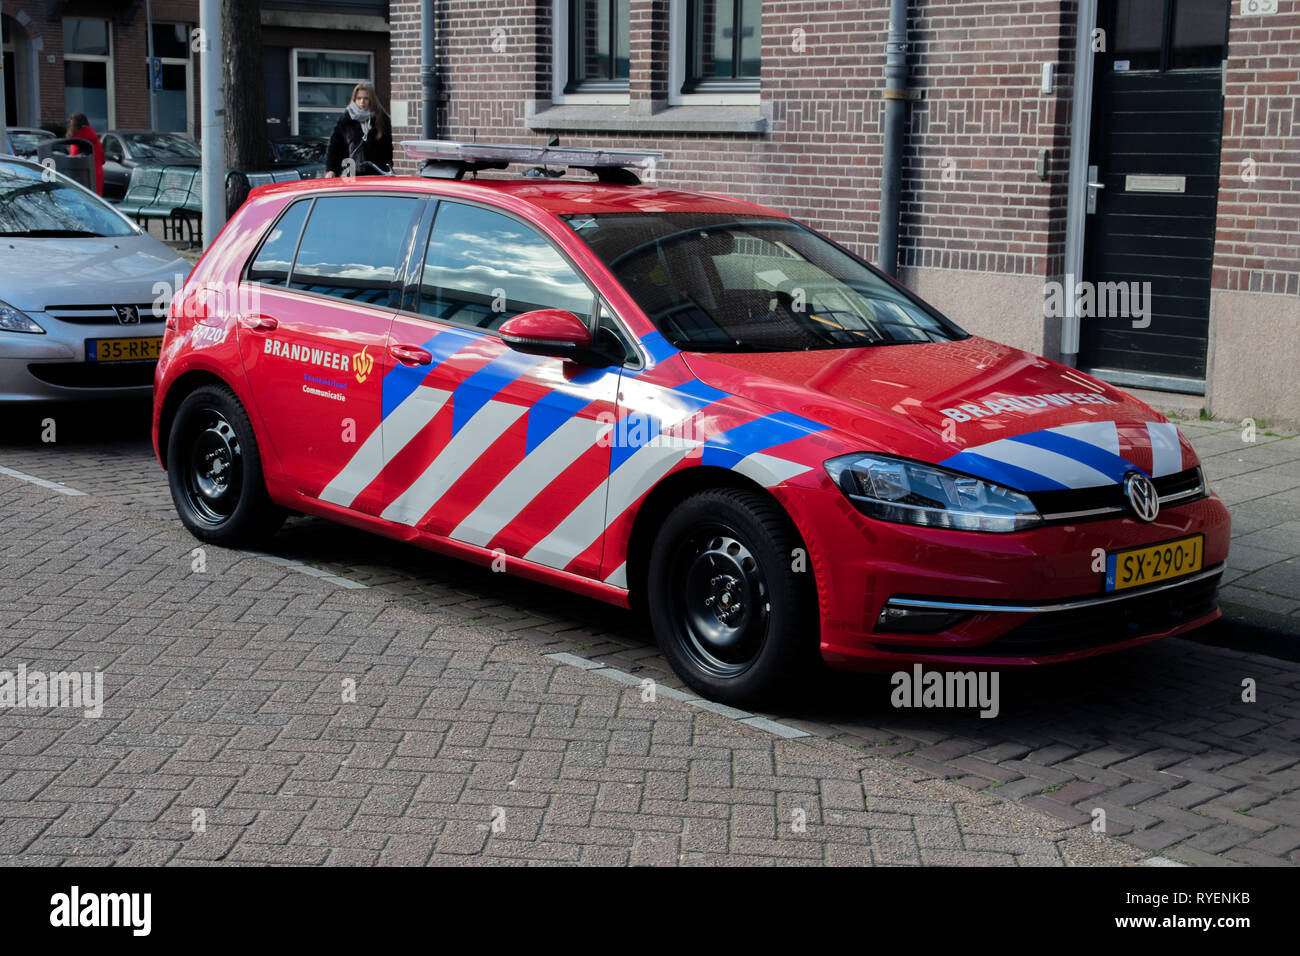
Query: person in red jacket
(79,128)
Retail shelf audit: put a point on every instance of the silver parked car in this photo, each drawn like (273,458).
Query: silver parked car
(83,291)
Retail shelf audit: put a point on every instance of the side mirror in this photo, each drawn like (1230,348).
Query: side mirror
(549,332)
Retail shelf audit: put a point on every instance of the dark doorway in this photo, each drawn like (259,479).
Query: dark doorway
(1156,131)
(278,118)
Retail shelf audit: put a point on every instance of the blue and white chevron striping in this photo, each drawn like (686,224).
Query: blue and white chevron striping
(1082,455)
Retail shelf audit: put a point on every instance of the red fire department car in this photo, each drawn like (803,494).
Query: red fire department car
(677,402)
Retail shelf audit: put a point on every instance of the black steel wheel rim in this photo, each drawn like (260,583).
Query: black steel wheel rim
(214,468)
(719,601)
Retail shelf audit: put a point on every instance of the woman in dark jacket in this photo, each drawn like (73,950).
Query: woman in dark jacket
(361,135)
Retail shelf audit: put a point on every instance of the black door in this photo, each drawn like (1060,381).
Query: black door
(1156,131)
(276,65)
(11,89)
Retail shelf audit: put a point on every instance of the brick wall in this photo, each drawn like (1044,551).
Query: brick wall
(1259,179)
(973,199)
(130,53)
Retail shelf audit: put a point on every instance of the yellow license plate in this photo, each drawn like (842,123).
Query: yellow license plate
(1150,565)
(123,350)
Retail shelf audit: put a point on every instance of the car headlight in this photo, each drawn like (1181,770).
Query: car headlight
(909,492)
(13,320)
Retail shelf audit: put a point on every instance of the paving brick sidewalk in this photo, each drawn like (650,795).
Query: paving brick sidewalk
(225,702)
(1157,737)
(1256,471)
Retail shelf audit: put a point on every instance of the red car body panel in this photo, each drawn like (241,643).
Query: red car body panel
(432,433)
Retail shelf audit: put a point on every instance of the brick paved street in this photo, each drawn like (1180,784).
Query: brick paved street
(224,696)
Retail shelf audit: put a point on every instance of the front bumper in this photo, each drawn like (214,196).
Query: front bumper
(1023,599)
(53,367)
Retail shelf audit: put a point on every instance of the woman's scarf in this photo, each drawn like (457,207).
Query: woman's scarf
(364,117)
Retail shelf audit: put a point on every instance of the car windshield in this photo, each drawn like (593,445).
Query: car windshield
(298,152)
(153,145)
(25,144)
(712,282)
(31,206)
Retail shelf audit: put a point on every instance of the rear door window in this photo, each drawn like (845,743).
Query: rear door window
(352,246)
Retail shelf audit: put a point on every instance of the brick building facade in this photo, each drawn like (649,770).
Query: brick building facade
(1193,133)
(82,56)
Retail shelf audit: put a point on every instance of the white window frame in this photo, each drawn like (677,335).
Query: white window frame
(188,63)
(677,56)
(560,66)
(110,81)
(294,78)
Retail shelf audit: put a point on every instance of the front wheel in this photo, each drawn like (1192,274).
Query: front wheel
(215,471)
(732,605)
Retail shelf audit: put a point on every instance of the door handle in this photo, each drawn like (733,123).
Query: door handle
(410,354)
(1096,185)
(259,323)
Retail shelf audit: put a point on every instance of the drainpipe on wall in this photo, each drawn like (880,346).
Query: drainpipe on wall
(148,34)
(1076,215)
(428,74)
(891,172)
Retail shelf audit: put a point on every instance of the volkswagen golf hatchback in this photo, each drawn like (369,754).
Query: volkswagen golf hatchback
(680,403)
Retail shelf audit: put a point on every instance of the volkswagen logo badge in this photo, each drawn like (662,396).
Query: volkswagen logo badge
(1142,495)
(127,314)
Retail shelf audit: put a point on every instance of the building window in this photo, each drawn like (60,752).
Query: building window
(322,87)
(171,46)
(1169,34)
(723,43)
(598,46)
(88,71)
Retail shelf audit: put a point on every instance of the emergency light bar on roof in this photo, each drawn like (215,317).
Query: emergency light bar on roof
(444,159)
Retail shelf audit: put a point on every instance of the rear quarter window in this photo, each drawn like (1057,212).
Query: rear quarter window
(271,266)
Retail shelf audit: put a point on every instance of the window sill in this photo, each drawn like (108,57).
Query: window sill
(593,99)
(751,120)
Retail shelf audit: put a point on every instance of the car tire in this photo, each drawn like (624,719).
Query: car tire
(732,608)
(214,469)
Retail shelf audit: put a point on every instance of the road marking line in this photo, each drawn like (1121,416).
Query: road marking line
(335,579)
(722,710)
(574,661)
(32,479)
(772,727)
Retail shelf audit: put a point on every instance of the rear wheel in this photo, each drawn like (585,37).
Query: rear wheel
(730,611)
(215,471)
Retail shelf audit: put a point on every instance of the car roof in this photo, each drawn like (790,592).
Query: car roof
(557,198)
(143,132)
(28,129)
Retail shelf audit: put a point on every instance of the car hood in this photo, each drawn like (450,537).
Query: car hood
(972,405)
(35,273)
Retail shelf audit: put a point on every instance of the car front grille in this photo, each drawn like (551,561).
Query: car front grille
(101,314)
(1061,632)
(93,375)
(1083,504)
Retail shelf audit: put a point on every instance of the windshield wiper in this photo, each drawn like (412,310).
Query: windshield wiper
(55,233)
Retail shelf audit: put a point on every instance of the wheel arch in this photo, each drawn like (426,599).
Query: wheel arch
(672,491)
(184,384)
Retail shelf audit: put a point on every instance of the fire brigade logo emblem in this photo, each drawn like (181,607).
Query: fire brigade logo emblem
(363,364)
